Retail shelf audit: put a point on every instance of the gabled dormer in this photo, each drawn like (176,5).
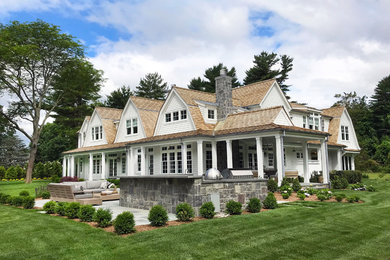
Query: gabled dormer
(138,119)
(83,132)
(101,127)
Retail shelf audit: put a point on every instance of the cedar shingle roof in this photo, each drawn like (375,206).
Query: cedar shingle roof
(108,117)
(334,124)
(97,147)
(148,110)
(252,94)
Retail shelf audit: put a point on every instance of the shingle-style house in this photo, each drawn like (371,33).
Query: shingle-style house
(249,127)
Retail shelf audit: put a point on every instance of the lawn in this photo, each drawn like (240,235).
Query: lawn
(300,230)
(14,187)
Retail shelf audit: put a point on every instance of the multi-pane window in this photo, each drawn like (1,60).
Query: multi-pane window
(97,133)
(313,155)
(322,125)
(113,167)
(168,117)
(139,160)
(183,114)
(299,155)
(316,123)
(175,115)
(209,159)
(132,126)
(344,133)
(172,163)
(123,163)
(189,162)
(252,160)
(179,163)
(210,114)
(96,165)
(304,122)
(311,122)
(164,162)
(270,159)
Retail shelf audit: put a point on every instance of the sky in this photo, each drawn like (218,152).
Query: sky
(337,46)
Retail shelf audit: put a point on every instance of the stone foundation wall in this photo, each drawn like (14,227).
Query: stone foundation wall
(144,192)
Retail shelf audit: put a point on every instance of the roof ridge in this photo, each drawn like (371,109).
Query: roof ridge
(195,90)
(150,99)
(109,108)
(257,110)
(253,83)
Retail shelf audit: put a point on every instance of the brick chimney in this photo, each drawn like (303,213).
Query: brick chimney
(223,91)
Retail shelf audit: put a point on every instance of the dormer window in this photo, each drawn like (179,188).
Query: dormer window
(132,126)
(344,133)
(97,133)
(183,114)
(210,114)
(175,115)
(168,117)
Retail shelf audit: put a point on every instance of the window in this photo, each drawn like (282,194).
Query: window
(151,164)
(250,160)
(123,165)
(96,165)
(183,114)
(81,165)
(210,114)
(344,133)
(316,123)
(209,159)
(179,163)
(113,167)
(304,122)
(313,155)
(270,159)
(132,126)
(189,161)
(165,163)
(175,115)
(168,117)
(240,160)
(97,133)
(311,126)
(299,155)
(322,125)
(172,163)
(139,160)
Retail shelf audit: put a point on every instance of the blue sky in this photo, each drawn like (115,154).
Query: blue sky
(337,46)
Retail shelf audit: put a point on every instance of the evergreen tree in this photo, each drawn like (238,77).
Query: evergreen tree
(118,98)
(210,74)
(380,106)
(152,86)
(264,68)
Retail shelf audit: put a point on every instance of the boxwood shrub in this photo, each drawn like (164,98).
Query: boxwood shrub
(45,195)
(351,176)
(254,205)
(339,197)
(207,210)
(28,202)
(60,208)
(301,196)
(50,207)
(184,212)
(24,193)
(72,209)
(270,201)
(339,182)
(17,201)
(272,185)
(158,216)
(103,217)
(233,207)
(296,186)
(124,223)
(86,213)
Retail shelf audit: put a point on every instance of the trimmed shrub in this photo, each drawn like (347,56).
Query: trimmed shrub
(124,223)
(371,188)
(158,216)
(5,198)
(45,195)
(351,199)
(321,197)
(351,176)
(72,209)
(339,182)
(17,201)
(103,217)
(270,201)
(356,198)
(20,172)
(184,212)
(11,173)
(60,208)
(24,193)
(340,197)
(285,182)
(296,186)
(50,207)
(207,210)
(272,185)
(28,202)
(254,205)
(286,189)
(285,195)
(301,196)
(86,213)
(311,191)
(233,207)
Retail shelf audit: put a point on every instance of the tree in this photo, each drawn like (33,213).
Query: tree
(210,74)
(118,98)
(380,106)
(264,69)
(32,56)
(152,86)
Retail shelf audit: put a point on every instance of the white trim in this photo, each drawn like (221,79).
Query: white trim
(280,91)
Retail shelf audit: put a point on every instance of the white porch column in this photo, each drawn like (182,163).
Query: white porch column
(353,162)
(68,166)
(103,173)
(214,154)
(200,157)
(324,161)
(259,153)
(184,157)
(72,166)
(90,177)
(143,164)
(229,154)
(64,166)
(279,158)
(306,174)
(339,160)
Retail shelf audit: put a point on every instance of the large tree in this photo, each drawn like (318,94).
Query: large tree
(152,86)
(210,74)
(32,55)
(380,105)
(118,98)
(269,66)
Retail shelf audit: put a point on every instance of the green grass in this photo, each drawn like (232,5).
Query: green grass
(300,230)
(385,176)
(14,187)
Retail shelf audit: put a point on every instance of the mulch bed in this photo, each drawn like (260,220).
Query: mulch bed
(313,197)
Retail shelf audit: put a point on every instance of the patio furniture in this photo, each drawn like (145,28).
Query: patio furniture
(291,174)
(67,193)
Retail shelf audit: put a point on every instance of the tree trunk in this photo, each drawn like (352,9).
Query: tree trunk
(31,160)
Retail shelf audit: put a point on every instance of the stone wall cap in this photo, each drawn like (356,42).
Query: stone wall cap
(233,181)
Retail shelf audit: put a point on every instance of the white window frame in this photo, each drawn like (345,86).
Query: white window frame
(211,113)
(132,124)
(97,133)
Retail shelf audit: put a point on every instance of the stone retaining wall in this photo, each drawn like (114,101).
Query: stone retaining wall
(144,192)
